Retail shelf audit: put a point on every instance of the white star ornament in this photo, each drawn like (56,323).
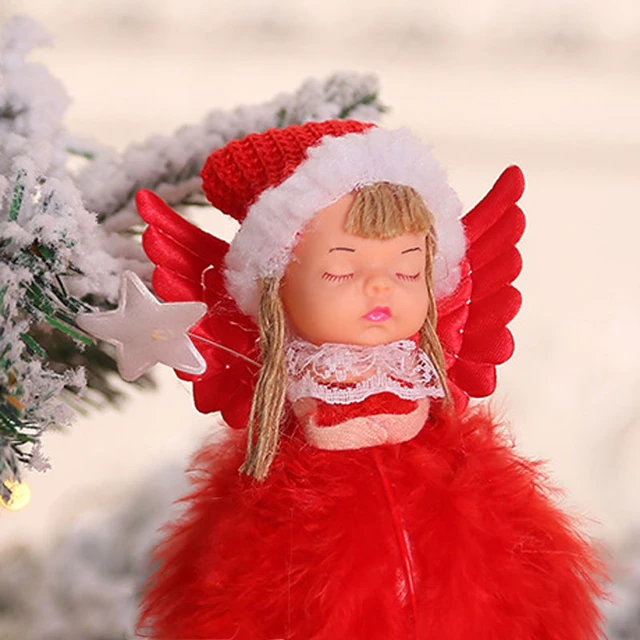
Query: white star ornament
(146,331)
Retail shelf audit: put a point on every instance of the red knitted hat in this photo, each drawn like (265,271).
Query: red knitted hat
(234,176)
(273,183)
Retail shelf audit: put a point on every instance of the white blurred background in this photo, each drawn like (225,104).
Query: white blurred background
(551,85)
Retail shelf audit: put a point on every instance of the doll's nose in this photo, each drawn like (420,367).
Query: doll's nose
(377,285)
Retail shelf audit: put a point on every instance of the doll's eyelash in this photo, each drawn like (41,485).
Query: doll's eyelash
(404,276)
(332,277)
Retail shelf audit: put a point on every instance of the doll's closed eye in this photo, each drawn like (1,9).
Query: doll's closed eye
(405,276)
(408,265)
(332,277)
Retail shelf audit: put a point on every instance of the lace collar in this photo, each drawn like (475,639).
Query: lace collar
(344,374)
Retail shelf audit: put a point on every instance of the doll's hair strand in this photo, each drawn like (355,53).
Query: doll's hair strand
(267,407)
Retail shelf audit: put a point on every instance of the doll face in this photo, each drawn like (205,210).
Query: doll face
(343,288)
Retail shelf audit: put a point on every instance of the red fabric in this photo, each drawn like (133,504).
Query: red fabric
(472,321)
(235,175)
(189,267)
(175,243)
(450,536)
(327,415)
(477,379)
(507,190)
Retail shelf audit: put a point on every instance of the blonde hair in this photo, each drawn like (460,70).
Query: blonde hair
(368,218)
(267,405)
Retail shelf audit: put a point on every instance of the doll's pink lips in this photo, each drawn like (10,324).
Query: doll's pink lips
(379,314)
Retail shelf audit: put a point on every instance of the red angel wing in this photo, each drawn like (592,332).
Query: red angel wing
(472,321)
(189,267)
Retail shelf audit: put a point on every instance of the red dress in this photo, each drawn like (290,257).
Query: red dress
(449,536)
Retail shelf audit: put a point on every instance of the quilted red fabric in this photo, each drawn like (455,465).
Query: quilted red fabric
(472,321)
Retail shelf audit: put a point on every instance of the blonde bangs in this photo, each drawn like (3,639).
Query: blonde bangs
(384,210)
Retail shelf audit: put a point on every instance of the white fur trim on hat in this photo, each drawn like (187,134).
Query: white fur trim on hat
(334,167)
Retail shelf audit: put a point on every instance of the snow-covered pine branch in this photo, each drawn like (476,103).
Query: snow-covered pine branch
(170,165)
(49,251)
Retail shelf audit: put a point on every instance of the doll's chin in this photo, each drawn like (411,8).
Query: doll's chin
(380,333)
(369,338)
(369,334)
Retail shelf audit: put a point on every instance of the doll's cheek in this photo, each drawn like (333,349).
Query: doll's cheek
(294,293)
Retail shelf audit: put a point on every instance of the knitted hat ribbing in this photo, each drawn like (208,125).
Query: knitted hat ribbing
(234,176)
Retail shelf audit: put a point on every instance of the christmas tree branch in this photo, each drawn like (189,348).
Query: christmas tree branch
(67,235)
(171,165)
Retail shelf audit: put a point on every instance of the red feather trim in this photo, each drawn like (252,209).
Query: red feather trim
(313,553)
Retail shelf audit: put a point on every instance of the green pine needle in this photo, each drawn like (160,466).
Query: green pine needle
(18,195)
(82,154)
(366,100)
(32,346)
(47,253)
(70,331)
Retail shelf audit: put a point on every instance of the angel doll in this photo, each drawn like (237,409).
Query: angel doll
(350,320)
